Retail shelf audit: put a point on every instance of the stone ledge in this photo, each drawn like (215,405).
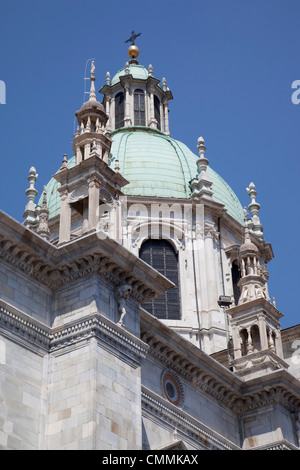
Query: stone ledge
(23,329)
(104,330)
(34,335)
(283,444)
(56,266)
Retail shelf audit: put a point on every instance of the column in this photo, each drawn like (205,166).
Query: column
(108,112)
(65,218)
(166,118)
(212,275)
(262,332)
(87,150)
(237,352)
(278,343)
(112,114)
(93,209)
(127,119)
(78,155)
(85,220)
(152,116)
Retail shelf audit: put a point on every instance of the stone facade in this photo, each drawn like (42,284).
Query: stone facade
(83,364)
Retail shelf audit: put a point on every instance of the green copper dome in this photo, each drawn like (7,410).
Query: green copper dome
(158,165)
(155,165)
(137,71)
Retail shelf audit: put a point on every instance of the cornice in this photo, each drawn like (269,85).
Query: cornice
(214,379)
(283,444)
(88,168)
(42,339)
(185,425)
(23,329)
(260,305)
(189,362)
(108,333)
(291,334)
(55,266)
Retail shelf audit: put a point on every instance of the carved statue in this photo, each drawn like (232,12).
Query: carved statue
(121,293)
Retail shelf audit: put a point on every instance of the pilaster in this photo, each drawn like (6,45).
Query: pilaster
(93,203)
(65,217)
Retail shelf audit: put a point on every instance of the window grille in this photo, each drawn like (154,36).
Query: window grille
(161,255)
(236,276)
(119,110)
(139,108)
(157,111)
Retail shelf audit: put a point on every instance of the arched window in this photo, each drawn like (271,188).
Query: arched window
(244,342)
(119,110)
(161,255)
(157,111)
(255,338)
(139,108)
(236,276)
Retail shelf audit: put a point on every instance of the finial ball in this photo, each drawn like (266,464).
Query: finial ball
(133,51)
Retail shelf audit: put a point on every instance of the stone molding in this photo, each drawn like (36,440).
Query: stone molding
(187,427)
(22,329)
(203,372)
(256,361)
(189,370)
(41,339)
(283,444)
(57,266)
(108,333)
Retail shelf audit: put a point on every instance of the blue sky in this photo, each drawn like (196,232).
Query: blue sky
(230,65)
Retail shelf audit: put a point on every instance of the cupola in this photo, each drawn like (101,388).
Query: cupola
(134,97)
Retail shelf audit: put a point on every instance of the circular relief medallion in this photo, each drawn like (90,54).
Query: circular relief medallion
(172,388)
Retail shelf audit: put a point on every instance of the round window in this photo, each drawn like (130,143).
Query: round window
(172,388)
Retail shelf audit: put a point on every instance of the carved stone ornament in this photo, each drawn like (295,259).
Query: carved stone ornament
(121,293)
(79,193)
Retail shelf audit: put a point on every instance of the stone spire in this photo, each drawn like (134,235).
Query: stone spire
(108,79)
(92,96)
(164,84)
(43,228)
(64,163)
(201,186)
(256,337)
(92,120)
(254,207)
(253,281)
(30,214)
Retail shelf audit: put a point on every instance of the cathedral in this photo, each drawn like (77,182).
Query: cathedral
(134,304)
